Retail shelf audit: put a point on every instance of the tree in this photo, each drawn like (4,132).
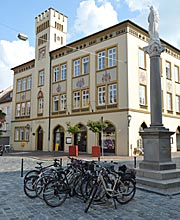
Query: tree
(72,129)
(96,126)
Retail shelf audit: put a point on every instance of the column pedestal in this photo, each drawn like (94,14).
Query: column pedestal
(157,172)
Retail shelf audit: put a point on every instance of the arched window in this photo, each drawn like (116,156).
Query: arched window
(40,106)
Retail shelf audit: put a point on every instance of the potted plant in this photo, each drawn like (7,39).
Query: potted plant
(73,149)
(96,127)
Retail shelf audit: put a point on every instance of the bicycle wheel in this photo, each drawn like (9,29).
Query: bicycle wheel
(30,185)
(31,173)
(40,184)
(55,193)
(126,191)
(77,185)
(100,194)
(91,197)
(84,187)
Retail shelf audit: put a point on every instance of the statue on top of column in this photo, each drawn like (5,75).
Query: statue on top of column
(153,20)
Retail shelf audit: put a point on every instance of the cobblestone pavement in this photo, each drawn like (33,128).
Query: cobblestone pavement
(15,205)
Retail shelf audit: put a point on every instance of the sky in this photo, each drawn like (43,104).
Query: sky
(85,17)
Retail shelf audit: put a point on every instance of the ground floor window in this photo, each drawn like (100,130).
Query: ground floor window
(109,139)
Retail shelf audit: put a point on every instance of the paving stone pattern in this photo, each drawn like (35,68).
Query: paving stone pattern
(15,205)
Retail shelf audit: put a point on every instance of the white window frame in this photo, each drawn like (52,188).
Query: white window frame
(16,134)
(63,102)
(112,57)
(19,85)
(21,134)
(23,109)
(76,67)
(85,65)
(18,110)
(76,99)
(168,70)
(177,103)
(176,73)
(101,95)
(55,103)
(101,60)
(169,101)
(41,78)
(141,57)
(56,73)
(28,108)
(63,71)
(24,84)
(29,82)
(85,98)
(112,94)
(142,95)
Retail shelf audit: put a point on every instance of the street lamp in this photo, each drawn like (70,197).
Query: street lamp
(129,119)
(22,37)
(28,126)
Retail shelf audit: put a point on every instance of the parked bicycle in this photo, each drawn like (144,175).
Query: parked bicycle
(90,181)
(119,185)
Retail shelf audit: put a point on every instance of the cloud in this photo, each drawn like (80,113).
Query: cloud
(94,16)
(141,5)
(13,54)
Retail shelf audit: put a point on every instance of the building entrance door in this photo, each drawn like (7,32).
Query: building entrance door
(40,139)
(59,139)
(80,138)
(178,138)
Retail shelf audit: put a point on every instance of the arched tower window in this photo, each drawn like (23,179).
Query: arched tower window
(40,102)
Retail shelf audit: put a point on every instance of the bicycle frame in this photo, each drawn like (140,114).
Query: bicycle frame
(110,191)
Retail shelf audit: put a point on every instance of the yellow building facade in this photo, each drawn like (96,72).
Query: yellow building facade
(104,76)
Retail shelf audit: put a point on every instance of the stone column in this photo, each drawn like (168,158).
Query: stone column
(154,49)
(156,138)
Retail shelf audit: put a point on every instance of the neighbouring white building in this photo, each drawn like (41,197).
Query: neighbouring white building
(104,75)
(6,107)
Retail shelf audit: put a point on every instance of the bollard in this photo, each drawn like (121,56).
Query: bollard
(134,161)
(61,162)
(99,159)
(22,167)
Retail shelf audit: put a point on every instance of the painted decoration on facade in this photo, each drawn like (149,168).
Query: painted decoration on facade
(80,83)
(58,88)
(106,77)
(142,77)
